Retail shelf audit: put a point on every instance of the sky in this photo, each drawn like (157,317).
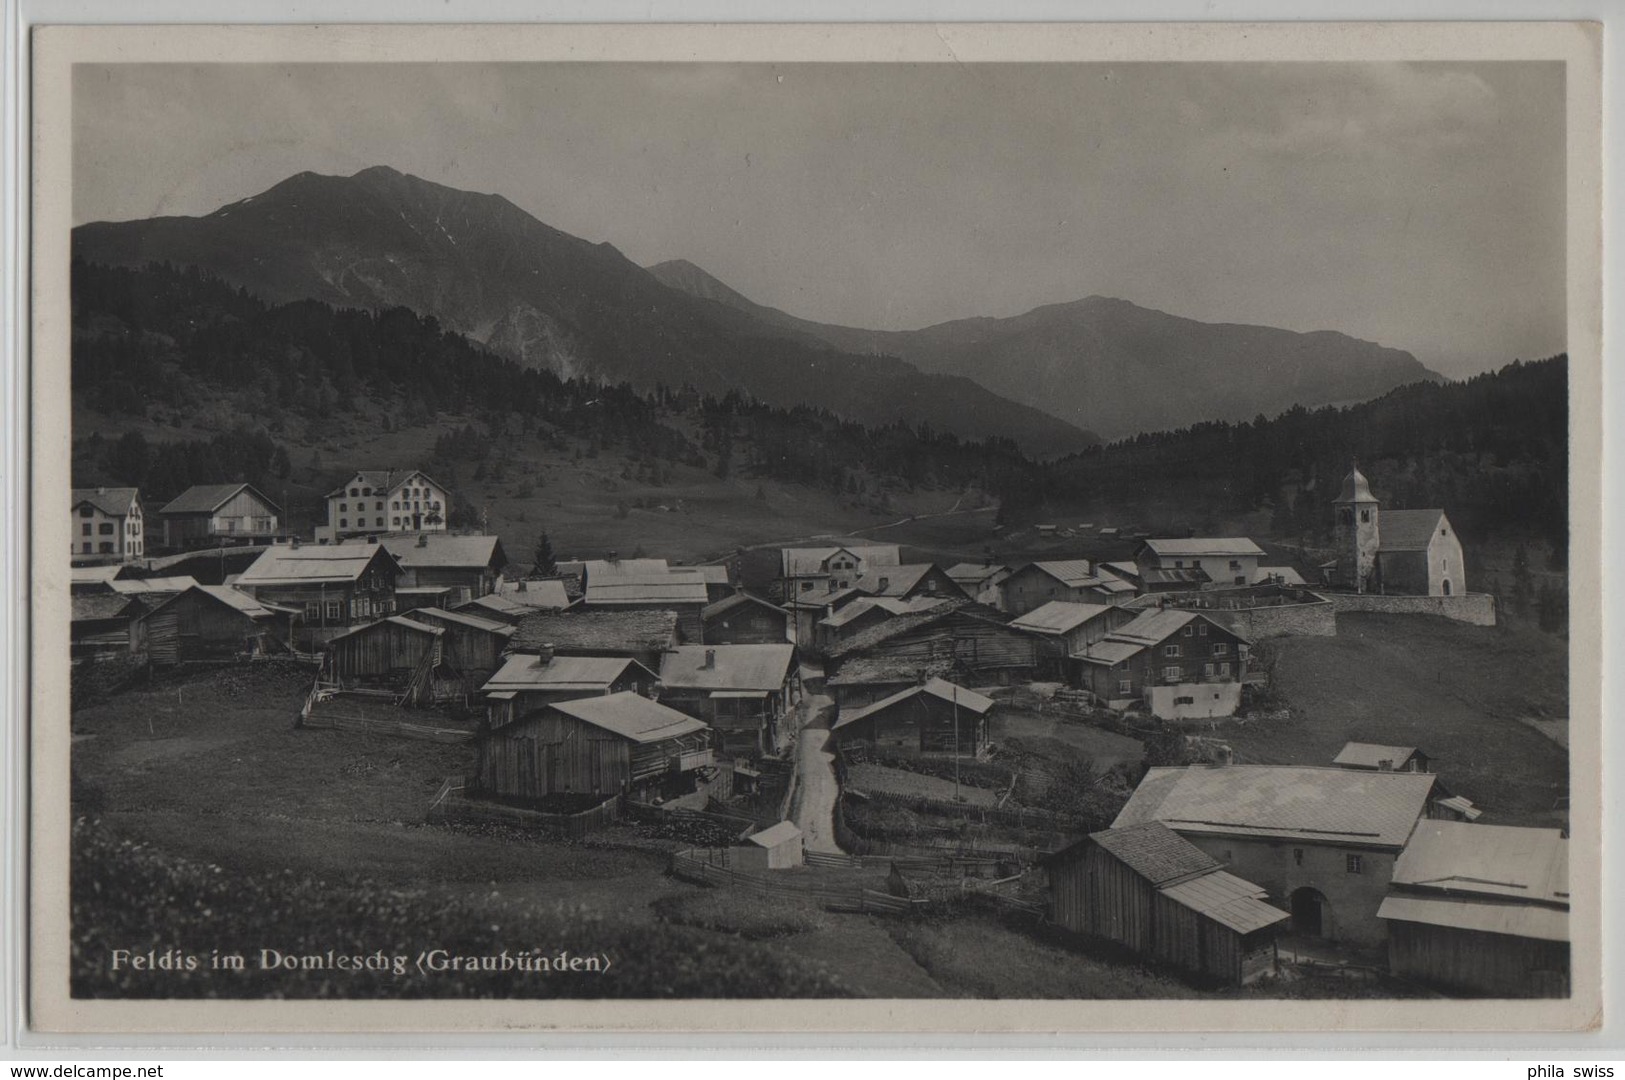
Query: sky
(1420,206)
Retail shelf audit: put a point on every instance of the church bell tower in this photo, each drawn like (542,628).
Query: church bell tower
(1357,535)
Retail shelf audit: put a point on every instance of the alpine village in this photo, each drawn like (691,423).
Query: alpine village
(831,676)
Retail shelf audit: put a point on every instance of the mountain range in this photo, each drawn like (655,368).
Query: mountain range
(483,267)
(1110,365)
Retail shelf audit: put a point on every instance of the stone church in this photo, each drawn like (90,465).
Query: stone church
(1405,552)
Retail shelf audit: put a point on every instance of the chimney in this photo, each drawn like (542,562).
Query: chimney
(423,540)
(544,654)
(614,556)
(710,659)
(101,491)
(1223,754)
(293,541)
(1385,765)
(521,587)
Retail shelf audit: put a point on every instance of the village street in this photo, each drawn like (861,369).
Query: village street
(813,809)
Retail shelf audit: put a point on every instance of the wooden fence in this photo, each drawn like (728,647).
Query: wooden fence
(452,804)
(397,728)
(709,866)
(1020,817)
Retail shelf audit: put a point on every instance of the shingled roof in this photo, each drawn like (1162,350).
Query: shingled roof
(1155,852)
(1408,530)
(617,631)
(115,502)
(207,498)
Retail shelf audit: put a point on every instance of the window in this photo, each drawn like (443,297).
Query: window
(395,504)
(806,586)
(1355,864)
(1171,672)
(1224,669)
(344,506)
(1221,648)
(354,492)
(1235,564)
(344,523)
(1365,517)
(1190,629)
(1297,855)
(380,521)
(1184,701)
(1179,564)
(107,547)
(1207,669)
(1201,629)
(87,511)
(396,521)
(366,491)
(87,545)
(313,610)
(380,506)
(106,528)
(1125,686)
(1170,650)
(85,529)
(335,611)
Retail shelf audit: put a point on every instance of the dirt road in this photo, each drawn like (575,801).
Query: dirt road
(813,808)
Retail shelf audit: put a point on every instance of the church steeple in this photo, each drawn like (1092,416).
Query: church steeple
(1357,531)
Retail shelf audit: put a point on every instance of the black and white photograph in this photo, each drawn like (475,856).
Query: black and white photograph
(1093,532)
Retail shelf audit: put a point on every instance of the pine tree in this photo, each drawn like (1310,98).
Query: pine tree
(546,564)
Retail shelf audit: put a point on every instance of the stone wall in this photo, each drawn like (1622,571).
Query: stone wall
(1475,608)
(1317,619)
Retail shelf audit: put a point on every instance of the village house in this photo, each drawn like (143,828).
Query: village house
(500,607)
(1180,663)
(743,619)
(625,587)
(742,691)
(620,744)
(645,636)
(1146,887)
(104,623)
(1064,629)
(375,502)
(465,567)
(107,525)
(976,640)
(470,650)
(394,654)
(829,569)
(1406,552)
(1377,757)
(1225,560)
(718,584)
(808,609)
(1321,842)
(528,681)
(216,515)
(1481,909)
(936,718)
(911,580)
(327,590)
(863,613)
(1037,583)
(980,581)
(211,622)
(545,593)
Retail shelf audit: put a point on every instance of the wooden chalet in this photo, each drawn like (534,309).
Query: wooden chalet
(645,636)
(104,623)
(980,581)
(622,744)
(937,718)
(909,580)
(1481,909)
(497,607)
(212,622)
(1145,887)
(471,648)
(864,680)
(1180,663)
(1064,627)
(742,691)
(396,654)
(808,609)
(327,589)
(527,682)
(216,515)
(1379,758)
(468,567)
(1322,842)
(868,611)
(743,619)
(976,639)
(1037,583)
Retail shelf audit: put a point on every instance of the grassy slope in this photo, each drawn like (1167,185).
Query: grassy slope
(1460,693)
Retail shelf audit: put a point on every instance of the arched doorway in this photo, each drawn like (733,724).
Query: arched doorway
(1447,586)
(1311,913)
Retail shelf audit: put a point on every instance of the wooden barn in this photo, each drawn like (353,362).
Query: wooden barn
(215,515)
(1147,888)
(865,613)
(977,639)
(743,691)
(1481,909)
(211,622)
(528,681)
(622,744)
(1064,628)
(107,623)
(397,654)
(743,619)
(863,681)
(471,648)
(1380,758)
(936,718)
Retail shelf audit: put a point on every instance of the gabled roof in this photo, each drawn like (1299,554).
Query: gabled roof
(1203,545)
(1372,755)
(1486,860)
(631,716)
(438,549)
(675,587)
(1073,573)
(1156,852)
(496,605)
(207,498)
(941,689)
(774,835)
(1324,805)
(392,620)
(1109,652)
(114,502)
(461,618)
(549,593)
(731,667)
(336,564)
(1153,627)
(524,671)
(888,606)
(1288,575)
(737,600)
(139,586)
(713,575)
(94,606)
(223,594)
(1163,575)
(1408,530)
(1516,920)
(1128,571)
(898,579)
(96,575)
(605,569)
(1059,617)
(382,481)
(970,573)
(884,670)
(1227,900)
(815,600)
(590,631)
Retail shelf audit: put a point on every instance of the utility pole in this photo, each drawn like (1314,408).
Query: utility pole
(956,740)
